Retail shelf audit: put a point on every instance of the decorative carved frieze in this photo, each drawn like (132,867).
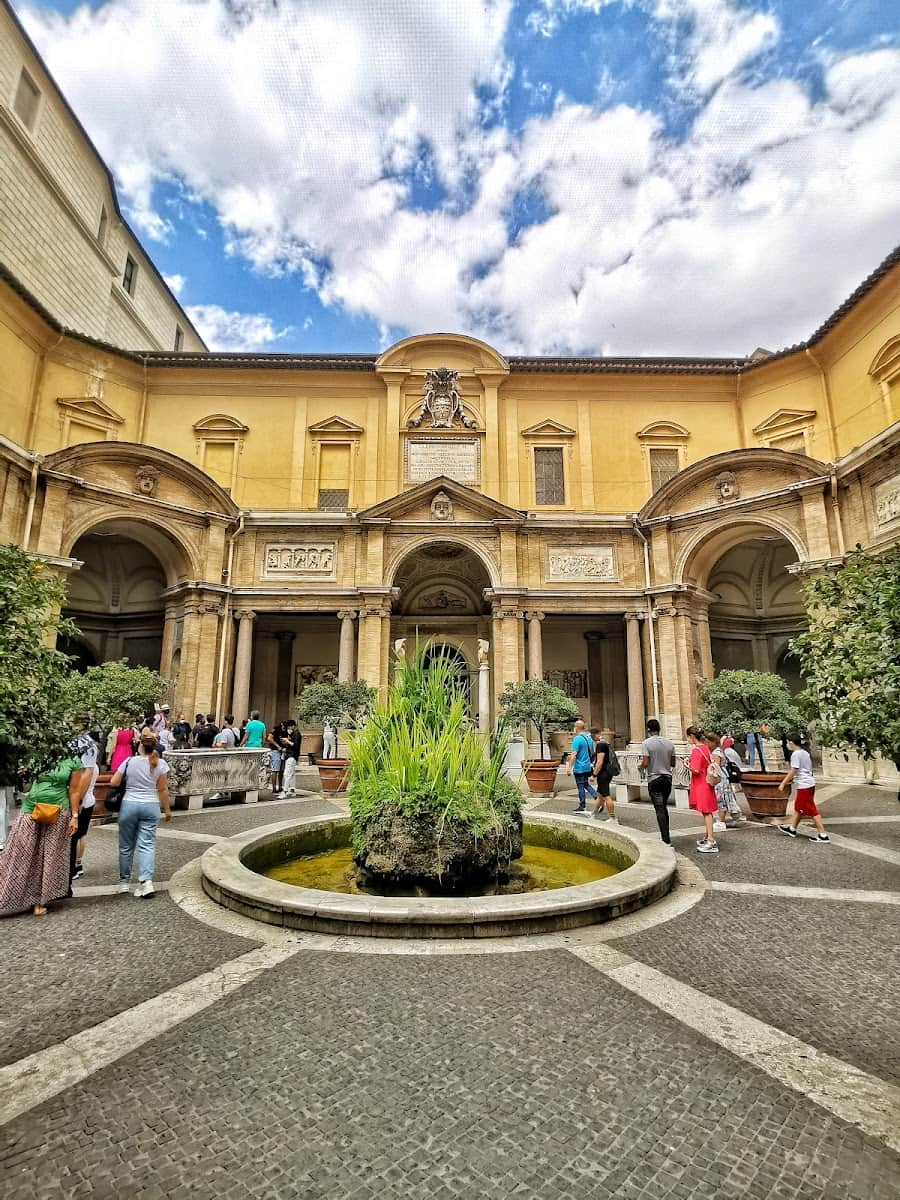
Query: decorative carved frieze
(299,560)
(573,683)
(581,564)
(886,496)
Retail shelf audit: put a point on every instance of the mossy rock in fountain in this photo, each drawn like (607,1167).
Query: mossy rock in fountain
(417,849)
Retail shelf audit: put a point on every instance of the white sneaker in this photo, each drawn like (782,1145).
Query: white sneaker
(124,886)
(144,890)
(719,826)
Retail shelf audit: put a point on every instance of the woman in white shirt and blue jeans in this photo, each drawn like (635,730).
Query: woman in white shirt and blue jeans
(146,792)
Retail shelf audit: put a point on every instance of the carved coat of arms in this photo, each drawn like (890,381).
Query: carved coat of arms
(441,401)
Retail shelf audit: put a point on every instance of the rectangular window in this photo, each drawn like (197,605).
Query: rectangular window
(129,278)
(795,442)
(101,231)
(549,480)
(334,499)
(179,337)
(218,462)
(28,95)
(663,465)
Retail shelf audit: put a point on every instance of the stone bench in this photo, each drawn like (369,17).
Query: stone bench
(198,775)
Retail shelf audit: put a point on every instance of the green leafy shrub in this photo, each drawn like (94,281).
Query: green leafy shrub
(418,755)
(341,705)
(741,702)
(545,706)
(114,694)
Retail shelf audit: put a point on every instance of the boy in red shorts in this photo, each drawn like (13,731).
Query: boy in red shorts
(805,797)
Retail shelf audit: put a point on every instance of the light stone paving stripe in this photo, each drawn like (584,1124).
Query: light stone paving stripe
(183,835)
(40,1076)
(109,889)
(869,848)
(789,892)
(862,820)
(869,1103)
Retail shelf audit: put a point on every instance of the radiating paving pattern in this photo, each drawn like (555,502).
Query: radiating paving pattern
(203,1067)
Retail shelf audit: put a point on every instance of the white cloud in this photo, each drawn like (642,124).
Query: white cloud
(294,120)
(175,282)
(227,331)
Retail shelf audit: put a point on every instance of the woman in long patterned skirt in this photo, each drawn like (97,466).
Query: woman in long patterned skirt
(34,866)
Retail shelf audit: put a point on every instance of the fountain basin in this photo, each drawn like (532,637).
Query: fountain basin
(230,876)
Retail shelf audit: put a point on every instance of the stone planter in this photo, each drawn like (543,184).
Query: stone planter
(764,796)
(540,775)
(333,773)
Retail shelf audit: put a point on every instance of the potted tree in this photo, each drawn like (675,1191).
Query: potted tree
(545,707)
(851,656)
(741,703)
(110,696)
(342,706)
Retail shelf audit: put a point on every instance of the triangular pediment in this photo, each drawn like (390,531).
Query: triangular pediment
(466,502)
(548,428)
(784,418)
(336,424)
(91,407)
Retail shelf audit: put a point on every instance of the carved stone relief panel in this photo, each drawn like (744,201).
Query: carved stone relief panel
(581,564)
(886,496)
(299,560)
(573,683)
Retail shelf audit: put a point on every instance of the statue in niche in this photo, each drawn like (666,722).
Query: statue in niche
(441,401)
(146,478)
(727,487)
(441,507)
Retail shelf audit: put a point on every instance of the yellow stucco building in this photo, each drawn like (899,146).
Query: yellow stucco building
(622,527)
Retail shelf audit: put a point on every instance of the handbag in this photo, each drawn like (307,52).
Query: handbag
(45,814)
(116,795)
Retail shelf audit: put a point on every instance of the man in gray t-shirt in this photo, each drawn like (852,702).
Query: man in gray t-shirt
(659,762)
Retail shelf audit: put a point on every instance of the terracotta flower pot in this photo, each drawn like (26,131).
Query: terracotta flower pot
(333,773)
(764,796)
(540,775)
(101,791)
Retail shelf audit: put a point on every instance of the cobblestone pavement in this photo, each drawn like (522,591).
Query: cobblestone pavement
(342,1075)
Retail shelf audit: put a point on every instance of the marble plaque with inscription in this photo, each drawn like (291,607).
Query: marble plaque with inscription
(581,564)
(887,502)
(458,458)
(299,560)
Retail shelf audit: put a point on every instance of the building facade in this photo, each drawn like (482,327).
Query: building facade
(622,528)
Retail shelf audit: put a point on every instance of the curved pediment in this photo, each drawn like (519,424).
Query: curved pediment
(141,471)
(426,351)
(731,476)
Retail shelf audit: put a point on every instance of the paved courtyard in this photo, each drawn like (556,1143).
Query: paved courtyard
(740,1039)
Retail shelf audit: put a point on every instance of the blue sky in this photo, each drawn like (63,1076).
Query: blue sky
(555,176)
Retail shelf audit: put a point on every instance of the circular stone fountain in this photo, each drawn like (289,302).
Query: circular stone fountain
(233,875)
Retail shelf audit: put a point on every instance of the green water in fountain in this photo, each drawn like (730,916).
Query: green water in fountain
(540,869)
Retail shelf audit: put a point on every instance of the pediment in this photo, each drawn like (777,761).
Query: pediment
(886,363)
(90,407)
(416,505)
(548,428)
(336,424)
(220,423)
(785,418)
(664,431)
(425,351)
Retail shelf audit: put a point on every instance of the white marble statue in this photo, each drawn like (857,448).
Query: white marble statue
(329,741)
(484,650)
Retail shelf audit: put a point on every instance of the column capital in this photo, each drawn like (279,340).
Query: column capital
(500,611)
(666,610)
(374,612)
(245,614)
(347,614)
(535,615)
(635,616)
(210,606)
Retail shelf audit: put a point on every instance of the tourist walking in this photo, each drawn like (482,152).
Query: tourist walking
(659,763)
(34,866)
(146,792)
(122,747)
(89,751)
(718,777)
(275,742)
(254,732)
(291,755)
(603,774)
(580,764)
(702,793)
(801,774)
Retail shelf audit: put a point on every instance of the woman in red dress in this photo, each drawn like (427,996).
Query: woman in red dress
(702,794)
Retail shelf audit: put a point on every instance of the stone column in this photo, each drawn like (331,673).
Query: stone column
(667,653)
(243,663)
(370,646)
(168,646)
(187,676)
(505,637)
(705,643)
(535,646)
(684,642)
(484,697)
(636,709)
(210,612)
(347,645)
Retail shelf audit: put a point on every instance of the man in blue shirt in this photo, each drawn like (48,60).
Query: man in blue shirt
(580,764)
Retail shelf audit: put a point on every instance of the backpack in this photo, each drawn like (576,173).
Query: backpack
(732,770)
(713,772)
(614,767)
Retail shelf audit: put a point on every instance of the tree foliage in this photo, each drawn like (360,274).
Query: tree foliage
(850,655)
(114,694)
(742,702)
(34,719)
(336,704)
(540,703)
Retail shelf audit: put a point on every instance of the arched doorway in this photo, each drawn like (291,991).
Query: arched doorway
(116,597)
(437,651)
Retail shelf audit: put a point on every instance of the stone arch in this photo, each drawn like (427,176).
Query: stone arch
(708,544)
(409,548)
(426,350)
(179,560)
